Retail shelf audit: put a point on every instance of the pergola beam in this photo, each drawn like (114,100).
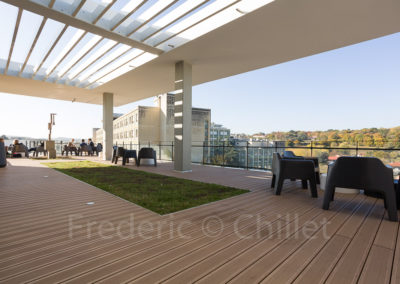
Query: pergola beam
(77,23)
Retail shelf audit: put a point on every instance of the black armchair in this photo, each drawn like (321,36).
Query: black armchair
(124,154)
(365,173)
(293,169)
(291,155)
(147,153)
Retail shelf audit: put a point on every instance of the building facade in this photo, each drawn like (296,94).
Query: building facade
(219,133)
(147,125)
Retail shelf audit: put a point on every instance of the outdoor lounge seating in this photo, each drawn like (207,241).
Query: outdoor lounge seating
(124,154)
(147,153)
(293,169)
(85,148)
(366,173)
(40,149)
(291,155)
(69,149)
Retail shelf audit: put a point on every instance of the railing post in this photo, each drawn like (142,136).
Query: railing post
(223,153)
(357,149)
(172,156)
(159,150)
(311,147)
(247,155)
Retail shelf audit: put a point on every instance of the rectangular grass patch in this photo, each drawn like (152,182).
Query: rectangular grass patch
(159,193)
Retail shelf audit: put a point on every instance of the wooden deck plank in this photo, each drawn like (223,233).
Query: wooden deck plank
(378,266)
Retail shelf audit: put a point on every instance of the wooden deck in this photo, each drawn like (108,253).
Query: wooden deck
(49,234)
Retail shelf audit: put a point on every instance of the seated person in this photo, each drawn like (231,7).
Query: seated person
(85,147)
(91,145)
(83,144)
(72,143)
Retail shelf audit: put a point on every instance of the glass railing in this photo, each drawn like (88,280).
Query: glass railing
(251,156)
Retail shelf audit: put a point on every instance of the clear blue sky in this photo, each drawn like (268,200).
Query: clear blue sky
(352,87)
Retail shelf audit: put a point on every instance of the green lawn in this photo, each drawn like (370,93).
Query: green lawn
(161,194)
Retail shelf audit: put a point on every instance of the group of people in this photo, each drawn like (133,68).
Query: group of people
(16,148)
(89,147)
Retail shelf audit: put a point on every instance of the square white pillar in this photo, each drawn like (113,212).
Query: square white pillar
(183,117)
(108,106)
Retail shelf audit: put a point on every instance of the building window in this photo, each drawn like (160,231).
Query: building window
(136,133)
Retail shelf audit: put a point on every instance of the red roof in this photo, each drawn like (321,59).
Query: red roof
(333,158)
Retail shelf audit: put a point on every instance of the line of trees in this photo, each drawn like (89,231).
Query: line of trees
(370,137)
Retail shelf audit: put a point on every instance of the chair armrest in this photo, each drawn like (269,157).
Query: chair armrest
(293,158)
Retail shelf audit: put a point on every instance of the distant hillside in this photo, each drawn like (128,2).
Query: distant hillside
(374,137)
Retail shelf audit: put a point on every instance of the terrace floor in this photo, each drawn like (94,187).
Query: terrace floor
(50,234)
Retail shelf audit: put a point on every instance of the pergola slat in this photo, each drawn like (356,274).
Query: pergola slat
(13,39)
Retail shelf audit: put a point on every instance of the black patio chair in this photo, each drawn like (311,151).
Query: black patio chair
(117,153)
(291,155)
(147,153)
(366,173)
(293,169)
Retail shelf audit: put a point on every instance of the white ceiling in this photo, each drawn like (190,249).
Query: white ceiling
(283,30)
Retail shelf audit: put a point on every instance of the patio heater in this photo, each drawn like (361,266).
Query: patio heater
(50,144)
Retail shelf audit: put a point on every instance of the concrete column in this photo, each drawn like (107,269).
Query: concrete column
(108,106)
(183,117)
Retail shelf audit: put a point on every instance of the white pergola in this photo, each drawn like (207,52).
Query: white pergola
(114,52)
